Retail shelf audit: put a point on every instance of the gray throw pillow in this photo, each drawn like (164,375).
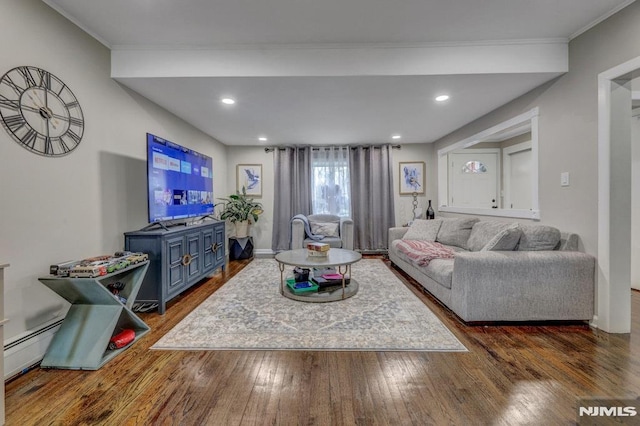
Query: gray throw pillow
(485,231)
(538,237)
(424,230)
(455,231)
(507,239)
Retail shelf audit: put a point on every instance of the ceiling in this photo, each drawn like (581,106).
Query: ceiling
(334,71)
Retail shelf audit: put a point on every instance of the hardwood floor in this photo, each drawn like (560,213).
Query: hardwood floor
(511,375)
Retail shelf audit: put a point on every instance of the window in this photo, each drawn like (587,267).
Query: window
(330,182)
(474,167)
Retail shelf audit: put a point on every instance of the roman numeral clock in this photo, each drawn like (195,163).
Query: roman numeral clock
(40,112)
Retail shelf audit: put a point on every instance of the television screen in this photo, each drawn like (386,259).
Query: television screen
(180,181)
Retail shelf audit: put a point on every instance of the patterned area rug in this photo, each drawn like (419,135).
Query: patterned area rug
(248,312)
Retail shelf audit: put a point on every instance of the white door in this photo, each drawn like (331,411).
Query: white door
(474,179)
(517,162)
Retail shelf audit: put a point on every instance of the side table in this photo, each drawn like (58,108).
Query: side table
(240,248)
(94,317)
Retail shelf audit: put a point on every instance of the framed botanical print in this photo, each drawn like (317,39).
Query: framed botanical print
(412,178)
(249,176)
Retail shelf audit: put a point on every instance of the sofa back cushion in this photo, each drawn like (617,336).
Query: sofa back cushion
(455,231)
(424,230)
(538,237)
(507,239)
(500,235)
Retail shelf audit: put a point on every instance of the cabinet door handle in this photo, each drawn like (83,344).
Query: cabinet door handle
(186,259)
(215,246)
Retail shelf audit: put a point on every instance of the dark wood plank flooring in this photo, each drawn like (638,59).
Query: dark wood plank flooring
(531,374)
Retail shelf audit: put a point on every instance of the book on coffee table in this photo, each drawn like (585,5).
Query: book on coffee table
(314,253)
(323,282)
(315,246)
(302,287)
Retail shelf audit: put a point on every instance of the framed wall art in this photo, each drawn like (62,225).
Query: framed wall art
(249,176)
(412,178)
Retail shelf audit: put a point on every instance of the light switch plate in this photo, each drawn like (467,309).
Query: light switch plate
(564,179)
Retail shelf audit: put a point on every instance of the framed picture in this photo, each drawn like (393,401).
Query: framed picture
(249,176)
(412,178)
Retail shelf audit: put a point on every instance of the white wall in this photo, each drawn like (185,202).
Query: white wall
(56,209)
(404,203)
(261,230)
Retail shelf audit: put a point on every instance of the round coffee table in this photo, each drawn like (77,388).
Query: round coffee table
(340,258)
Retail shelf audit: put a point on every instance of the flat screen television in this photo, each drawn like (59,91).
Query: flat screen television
(179,180)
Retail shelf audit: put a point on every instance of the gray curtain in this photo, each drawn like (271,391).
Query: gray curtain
(292,180)
(371,196)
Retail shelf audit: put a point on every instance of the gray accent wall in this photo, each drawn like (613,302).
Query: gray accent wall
(57,209)
(568,125)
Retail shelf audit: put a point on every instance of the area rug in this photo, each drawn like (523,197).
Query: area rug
(248,312)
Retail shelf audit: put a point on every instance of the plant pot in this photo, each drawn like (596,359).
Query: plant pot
(242,229)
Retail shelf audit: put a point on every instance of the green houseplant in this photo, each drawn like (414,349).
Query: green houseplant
(241,211)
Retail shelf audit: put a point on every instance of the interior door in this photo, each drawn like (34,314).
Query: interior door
(474,179)
(517,170)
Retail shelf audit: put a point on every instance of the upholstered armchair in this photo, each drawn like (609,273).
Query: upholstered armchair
(337,231)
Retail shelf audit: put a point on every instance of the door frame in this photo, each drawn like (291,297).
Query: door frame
(506,169)
(613,308)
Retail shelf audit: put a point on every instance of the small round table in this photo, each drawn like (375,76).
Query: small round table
(341,258)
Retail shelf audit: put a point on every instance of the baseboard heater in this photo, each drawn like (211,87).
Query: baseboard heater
(27,350)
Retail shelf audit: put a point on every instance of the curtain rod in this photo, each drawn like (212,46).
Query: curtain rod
(317,148)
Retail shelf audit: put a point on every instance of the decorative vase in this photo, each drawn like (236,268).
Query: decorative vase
(430,213)
(242,229)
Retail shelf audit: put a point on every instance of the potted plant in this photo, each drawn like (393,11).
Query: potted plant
(241,211)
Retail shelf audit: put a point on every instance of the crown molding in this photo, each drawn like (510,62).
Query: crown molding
(332,46)
(600,19)
(76,22)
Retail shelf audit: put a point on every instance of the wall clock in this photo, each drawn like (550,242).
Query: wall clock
(40,111)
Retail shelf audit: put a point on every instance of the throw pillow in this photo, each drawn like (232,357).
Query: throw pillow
(456,231)
(424,230)
(328,229)
(485,231)
(538,237)
(507,239)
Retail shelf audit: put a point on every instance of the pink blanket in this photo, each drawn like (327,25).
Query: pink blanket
(423,252)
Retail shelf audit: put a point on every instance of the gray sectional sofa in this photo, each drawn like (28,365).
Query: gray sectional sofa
(501,271)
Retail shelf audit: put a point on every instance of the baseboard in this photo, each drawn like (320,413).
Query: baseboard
(262,253)
(28,349)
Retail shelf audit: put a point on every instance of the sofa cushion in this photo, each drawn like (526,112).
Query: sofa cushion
(485,231)
(455,231)
(420,253)
(425,230)
(507,239)
(440,270)
(538,237)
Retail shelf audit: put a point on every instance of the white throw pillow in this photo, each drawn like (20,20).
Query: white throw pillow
(424,230)
(328,229)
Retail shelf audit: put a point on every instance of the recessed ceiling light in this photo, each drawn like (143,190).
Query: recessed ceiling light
(262,139)
(442,98)
(228,101)
(396,137)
